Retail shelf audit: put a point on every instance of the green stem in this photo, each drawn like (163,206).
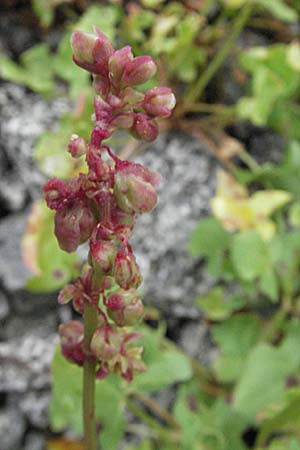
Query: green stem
(195,91)
(89,369)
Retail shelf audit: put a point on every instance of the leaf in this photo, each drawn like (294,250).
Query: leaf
(216,427)
(249,255)
(237,210)
(286,418)
(66,408)
(208,238)
(217,307)
(233,350)
(294,214)
(280,9)
(31,70)
(165,364)
(269,284)
(40,251)
(262,381)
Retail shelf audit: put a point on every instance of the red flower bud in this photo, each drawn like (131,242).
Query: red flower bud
(138,71)
(82,44)
(117,62)
(144,128)
(73,226)
(91,51)
(132,193)
(124,120)
(105,343)
(159,101)
(77,146)
(126,271)
(55,192)
(125,307)
(71,338)
(66,294)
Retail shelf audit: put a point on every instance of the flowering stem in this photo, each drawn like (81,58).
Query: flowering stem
(90,436)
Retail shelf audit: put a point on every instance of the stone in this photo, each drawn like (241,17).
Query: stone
(26,362)
(195,340)
(172,278)
(13,273)
(4,307)
(12,428)
(35,441)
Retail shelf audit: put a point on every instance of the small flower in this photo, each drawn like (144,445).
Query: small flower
(74,225)
(125,307)
(117,63)
(105,343)
(77,146)
(71,338)
(138,71)
(134,188)
(126,270)
(144,128)
(159,101)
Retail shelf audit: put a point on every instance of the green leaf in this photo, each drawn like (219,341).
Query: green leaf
(269,285)
(217,307)
(217,427)
(66,403)
(287,418)
(165,364)
(262,381)
(208,238)
(249,255)
(280,9)
(294,214)
(31,70)
(233,350)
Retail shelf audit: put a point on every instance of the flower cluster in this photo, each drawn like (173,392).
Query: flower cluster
(101,206)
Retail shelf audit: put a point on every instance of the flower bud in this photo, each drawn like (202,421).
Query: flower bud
(138,71)
(71,338)
(132,193)
(66,294)
(126,271)
(105,343)
(159,101)
(131,96)
(55,192)
(144,128)
(77,146)
(124,120)
(91,51)
(117,63)
(125,307)
(102,254)
(82,44)
(73,226)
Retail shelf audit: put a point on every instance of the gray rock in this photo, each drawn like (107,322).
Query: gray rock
(171,277)
(196,341)
(12,427)
(25,362)
(35,441)
(4,307)
(13,273)
(34,406)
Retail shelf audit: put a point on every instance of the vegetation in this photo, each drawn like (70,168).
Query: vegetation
(250,397)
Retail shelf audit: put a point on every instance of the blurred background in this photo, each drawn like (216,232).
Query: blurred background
(220,255)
